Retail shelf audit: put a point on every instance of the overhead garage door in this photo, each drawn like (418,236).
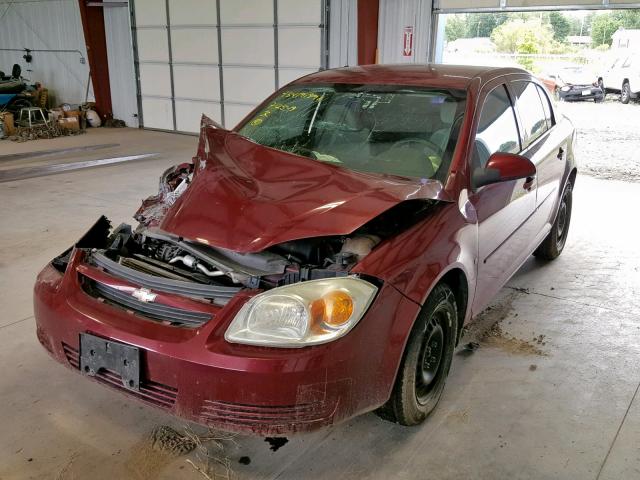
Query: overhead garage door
(452,6)
(220,57)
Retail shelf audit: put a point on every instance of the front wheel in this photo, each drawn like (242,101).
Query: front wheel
(426,361)
(553,244)
(625,93)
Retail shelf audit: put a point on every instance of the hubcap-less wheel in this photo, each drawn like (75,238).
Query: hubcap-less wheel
(430,356)
(562,220)
(625,94)
(426,360)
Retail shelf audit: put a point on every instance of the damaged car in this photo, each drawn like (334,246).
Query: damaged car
(320,260)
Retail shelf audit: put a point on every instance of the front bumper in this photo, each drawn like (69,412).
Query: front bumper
(195,374)
(579,93)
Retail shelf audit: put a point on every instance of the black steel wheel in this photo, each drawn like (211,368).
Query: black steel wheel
(625,93)
(426,361)
(604,92)
(554,243)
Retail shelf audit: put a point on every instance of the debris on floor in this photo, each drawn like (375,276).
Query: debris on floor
(275,443)
(165,444)
(486,330)
(496,337)
(53,130)
(114,123)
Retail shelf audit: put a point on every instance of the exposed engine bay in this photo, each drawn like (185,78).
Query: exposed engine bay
(129,267)
(149,250)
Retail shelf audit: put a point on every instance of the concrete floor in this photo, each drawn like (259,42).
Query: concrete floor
(563,406)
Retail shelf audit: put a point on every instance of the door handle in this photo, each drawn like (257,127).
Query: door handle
(528,183)
(561,154)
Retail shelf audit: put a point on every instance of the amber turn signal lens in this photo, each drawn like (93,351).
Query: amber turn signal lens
(334,309)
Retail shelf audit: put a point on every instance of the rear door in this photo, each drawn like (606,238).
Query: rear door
(504,210)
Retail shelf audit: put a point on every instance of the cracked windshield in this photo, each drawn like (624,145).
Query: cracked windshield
(405,131)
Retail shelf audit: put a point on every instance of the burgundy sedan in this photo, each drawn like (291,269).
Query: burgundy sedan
(320,260)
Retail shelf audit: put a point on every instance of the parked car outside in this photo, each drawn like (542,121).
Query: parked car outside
(623,77)
(320,260)
(573,83)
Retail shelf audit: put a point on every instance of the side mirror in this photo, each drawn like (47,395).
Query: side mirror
(503,167)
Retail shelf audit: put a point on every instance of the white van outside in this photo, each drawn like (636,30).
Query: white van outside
(623,76)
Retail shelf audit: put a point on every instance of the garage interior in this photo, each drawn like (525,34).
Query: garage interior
(549,389)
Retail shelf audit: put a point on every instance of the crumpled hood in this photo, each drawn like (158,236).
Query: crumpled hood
(246,197)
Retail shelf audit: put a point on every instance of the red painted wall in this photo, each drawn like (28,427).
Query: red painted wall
(96,42)
(367,31)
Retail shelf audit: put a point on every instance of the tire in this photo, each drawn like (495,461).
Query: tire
(17,104)
(625,93)
(426,361)
(552,246)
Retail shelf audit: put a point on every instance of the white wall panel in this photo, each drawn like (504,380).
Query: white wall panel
(50,25)
(150,12)
(299,46)
(250,85)
(242,12)
(188,114)
(195,81)
(198,45)
(192,12)
(253,46)
(343,33)
(290,74)
(188,72)
(155,79)
(300,11)
(121,70)
(157,113)
(394,17)
(234,113)
(153,45)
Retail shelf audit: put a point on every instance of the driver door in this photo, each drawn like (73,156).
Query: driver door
(504,209)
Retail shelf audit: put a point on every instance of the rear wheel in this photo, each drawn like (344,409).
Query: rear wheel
(553,244)
(625,93)
(426,362)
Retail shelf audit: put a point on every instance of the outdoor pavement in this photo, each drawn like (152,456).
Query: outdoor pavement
(551,393)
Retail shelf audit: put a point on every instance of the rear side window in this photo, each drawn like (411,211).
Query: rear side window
(497,128)
(532,114)
(546,105)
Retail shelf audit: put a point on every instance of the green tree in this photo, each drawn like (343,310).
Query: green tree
(455,28)
(518,36)
(483,24)
(560,25)
(603,27)
(627,18)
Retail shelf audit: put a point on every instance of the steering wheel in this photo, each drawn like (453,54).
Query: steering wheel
(432,147)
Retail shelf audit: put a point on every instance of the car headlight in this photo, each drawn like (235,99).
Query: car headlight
(307,313)
(566,88)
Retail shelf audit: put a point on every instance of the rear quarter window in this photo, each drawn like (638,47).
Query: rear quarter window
(532,113)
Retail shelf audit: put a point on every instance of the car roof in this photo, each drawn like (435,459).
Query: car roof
(429,75)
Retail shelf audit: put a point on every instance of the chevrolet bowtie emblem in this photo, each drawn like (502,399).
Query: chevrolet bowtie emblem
(144,295)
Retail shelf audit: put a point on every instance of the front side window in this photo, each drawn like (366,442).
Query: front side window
(497,129)
(531,111)
(406,131)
